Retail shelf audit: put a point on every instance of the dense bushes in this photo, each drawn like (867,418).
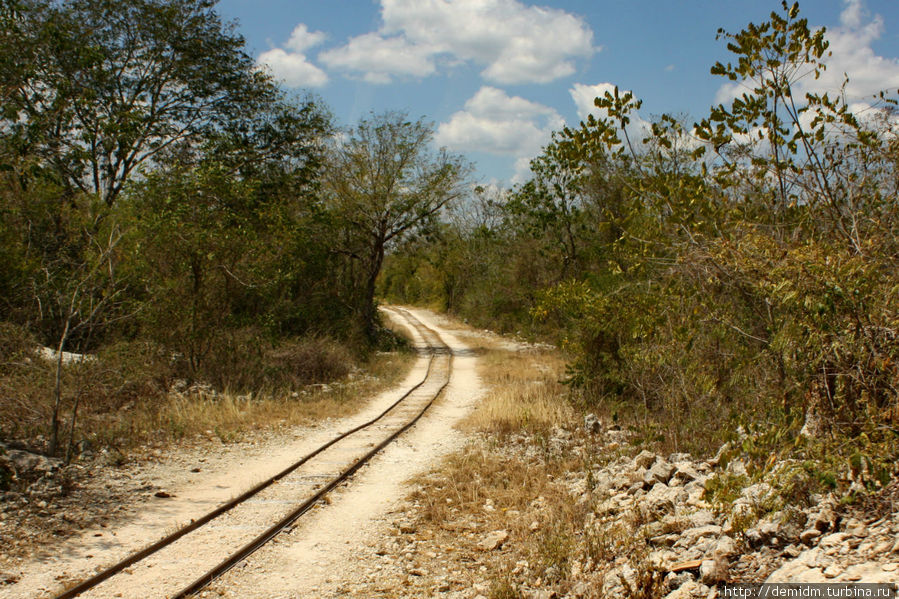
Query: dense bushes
(182,234)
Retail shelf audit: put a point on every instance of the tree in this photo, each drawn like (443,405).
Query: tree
(551,203)
(382,182)
(814,149)
(97,88)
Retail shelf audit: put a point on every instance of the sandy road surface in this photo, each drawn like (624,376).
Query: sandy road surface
(332,547)
(317,557)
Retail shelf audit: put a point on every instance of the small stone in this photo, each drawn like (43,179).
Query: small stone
(890,567)
(737,468)
(661,498)
(406,528)
(809,535)
(691,535)
(833,571)
(701,518)
(822,520)
(725,547)
(882,547)
(162,494)
(664,540)
(854,527)
(713,570)
(660,472)
(644,459)
(688,590)
(493,540)
(685,472)
(833,539)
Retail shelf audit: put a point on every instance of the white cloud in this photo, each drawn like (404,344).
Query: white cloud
(583,96)
(514,43)
(853,56)
(496,123)
(522,170)
(291,65)
(301,39)
(380,58)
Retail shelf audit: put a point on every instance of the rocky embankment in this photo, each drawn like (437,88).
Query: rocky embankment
(646,525)
(43,500)
(688,545)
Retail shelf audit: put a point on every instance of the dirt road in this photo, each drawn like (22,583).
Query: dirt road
(320,553)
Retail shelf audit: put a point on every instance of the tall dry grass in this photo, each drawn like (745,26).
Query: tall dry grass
(133,393)
(230,415)
(525,390)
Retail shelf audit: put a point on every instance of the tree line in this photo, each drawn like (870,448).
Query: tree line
(156,186)
(733,274)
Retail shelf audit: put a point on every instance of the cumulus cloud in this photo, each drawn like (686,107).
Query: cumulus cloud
(583,96)
(493,122)
(291,64)
(852,56)
(514,43)
(301,39)
(380,58)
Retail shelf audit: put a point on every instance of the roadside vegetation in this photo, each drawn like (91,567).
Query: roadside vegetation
(731,279)
(196,249)
(181,233)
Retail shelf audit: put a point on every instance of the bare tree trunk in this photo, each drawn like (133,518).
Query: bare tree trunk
(72,430)
(57,390)
(369,313)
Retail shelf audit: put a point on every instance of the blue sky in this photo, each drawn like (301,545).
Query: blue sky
(497,76)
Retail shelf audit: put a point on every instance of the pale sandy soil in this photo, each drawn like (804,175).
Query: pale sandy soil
(317,556)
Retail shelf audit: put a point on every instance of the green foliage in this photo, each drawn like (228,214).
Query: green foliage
(724,488)
(98,88)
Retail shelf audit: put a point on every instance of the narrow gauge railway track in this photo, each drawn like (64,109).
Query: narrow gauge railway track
(222,538)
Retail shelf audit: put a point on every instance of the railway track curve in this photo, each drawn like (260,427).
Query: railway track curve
(188,559)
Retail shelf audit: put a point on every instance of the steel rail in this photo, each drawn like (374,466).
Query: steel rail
(144,553)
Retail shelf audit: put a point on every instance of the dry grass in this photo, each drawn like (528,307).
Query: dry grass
(525,393)
(517,485)
(509,478)
(133,393)
(525,472)
(230,415)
